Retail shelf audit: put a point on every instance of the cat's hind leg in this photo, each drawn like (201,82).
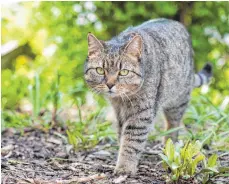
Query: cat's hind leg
(174,116)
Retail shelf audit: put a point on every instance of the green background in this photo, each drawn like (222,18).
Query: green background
(44,72)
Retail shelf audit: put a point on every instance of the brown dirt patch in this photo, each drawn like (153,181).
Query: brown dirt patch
(38,157)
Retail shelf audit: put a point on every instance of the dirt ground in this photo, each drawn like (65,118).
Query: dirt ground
(38,157)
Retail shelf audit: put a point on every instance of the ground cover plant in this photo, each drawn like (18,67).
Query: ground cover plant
(55,130)
(182,160)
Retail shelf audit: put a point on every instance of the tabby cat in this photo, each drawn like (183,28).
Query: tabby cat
(144,69)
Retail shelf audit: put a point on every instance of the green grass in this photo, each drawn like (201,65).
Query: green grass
(203,120)
(88,132)
(83,133)
(208,123)
(13,119)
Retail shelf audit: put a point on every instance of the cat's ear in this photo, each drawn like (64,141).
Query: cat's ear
(95,46)
(134,47)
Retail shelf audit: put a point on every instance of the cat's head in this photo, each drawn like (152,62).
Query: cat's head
(114,69)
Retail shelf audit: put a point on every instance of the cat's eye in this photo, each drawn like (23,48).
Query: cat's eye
(123,72)
(100,71)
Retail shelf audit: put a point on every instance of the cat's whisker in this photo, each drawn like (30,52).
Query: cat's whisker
(142,83)
(137,96)
(95,91)
(121,97)
(128,99)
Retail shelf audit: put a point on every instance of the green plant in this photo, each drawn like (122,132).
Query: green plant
(211,169)
(181,162)
(89,131)
(14,89)
(34,94)
(208,122)
(55,97)
(161,133)
(12,119)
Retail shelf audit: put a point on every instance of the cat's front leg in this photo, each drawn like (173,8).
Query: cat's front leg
(132,143)
(119,131)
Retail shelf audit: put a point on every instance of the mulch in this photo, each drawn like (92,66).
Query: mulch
(46,158)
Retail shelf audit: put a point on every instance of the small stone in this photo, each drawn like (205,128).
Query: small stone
(54,140)
(5,150)
(102,153)
(62,155)
(39,155)
(69,148)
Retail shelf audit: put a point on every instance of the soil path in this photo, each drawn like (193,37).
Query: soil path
(38,157)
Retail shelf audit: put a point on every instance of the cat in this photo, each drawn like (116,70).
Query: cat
(144,69)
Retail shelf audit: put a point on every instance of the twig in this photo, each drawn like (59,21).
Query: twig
(76,162)
(82,180)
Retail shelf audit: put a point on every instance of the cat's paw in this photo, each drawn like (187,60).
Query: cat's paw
(125,170)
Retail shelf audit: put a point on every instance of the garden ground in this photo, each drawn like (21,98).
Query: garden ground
(41,157)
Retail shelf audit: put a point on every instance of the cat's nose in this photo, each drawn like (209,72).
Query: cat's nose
(110,85)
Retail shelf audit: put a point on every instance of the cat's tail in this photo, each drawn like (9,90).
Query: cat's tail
(203,76)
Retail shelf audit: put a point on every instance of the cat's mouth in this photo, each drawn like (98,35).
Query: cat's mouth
(111,93)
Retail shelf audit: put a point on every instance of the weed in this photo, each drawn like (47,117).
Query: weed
(181,163)
(13,119)
(208,123)
(34,94)
(88,132)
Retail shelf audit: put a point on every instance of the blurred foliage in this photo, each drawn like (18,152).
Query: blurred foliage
(57,35)
(207,22)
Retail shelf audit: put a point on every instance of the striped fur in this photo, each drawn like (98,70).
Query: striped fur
(159,57)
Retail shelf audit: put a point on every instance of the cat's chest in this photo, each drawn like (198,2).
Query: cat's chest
(123,109)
